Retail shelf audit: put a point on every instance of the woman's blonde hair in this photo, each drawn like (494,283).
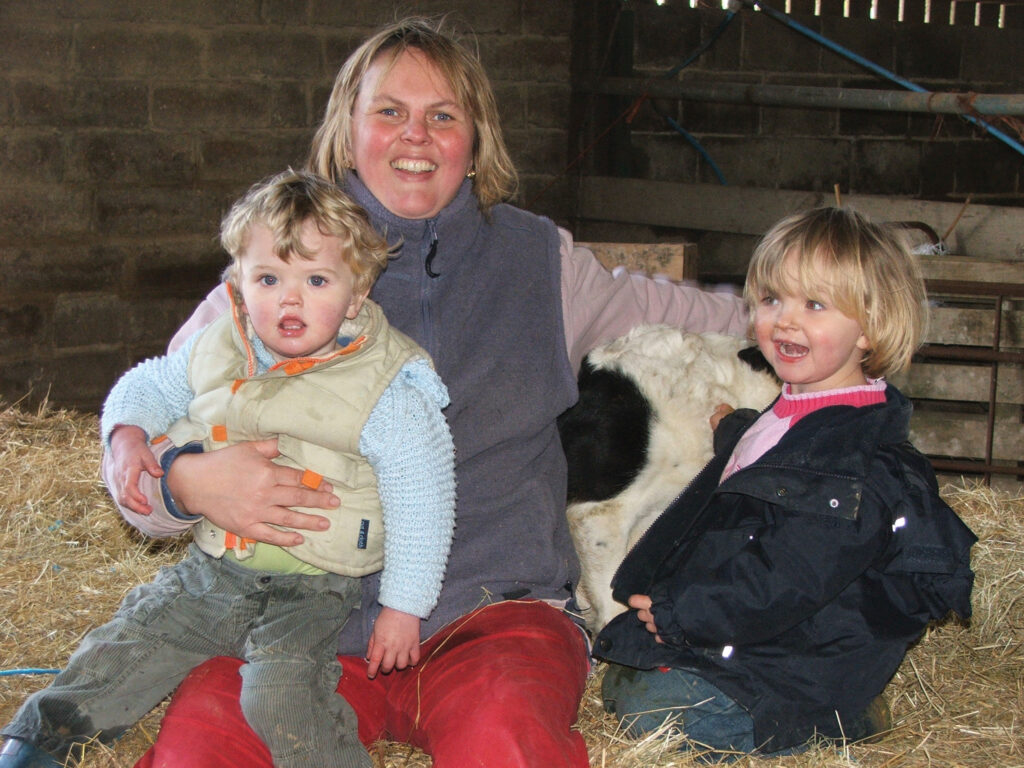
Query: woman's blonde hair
(866,270)
(283,203)
(495,180)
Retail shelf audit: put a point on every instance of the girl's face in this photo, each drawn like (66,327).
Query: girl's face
(811,345)
(412,143)
(297,306)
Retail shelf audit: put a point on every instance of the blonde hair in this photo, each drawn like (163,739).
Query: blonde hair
(867,271)
(495,180)
(283,203)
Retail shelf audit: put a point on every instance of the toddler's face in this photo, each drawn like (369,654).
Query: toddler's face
(297,306)
(810,344)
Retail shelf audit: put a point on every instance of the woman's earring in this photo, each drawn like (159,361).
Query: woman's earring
(471,174)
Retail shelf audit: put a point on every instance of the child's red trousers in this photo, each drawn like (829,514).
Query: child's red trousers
(498,688)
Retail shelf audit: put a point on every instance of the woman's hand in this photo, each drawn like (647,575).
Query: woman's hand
(241,490)
(395,642)
(130,456)
(643,603)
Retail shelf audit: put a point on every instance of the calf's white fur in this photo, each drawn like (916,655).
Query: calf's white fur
(683,376)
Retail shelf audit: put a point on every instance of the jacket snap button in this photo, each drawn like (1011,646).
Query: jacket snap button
(834,503)
(264,579)
(780,491)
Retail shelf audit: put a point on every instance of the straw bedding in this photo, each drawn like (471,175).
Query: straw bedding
(958,699)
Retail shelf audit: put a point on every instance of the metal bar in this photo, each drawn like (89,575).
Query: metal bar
(969,354)
(990,426)
(814,96)
(975,288)
(980,467)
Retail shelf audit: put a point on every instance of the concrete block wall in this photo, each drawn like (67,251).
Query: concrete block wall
(126,129)
(887,153)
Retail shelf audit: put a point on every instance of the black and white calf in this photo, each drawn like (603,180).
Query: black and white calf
(639,434)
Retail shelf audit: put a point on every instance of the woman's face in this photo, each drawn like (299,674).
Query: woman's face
(412,143)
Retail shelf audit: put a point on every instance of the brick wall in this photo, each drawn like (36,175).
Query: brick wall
(869,152)
(126,129)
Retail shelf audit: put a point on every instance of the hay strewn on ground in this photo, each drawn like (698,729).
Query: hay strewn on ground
(958,700)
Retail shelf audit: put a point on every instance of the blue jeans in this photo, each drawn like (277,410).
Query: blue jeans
(285,626)
(644,699)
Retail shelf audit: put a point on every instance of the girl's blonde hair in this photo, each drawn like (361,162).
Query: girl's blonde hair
(495,180)
(867,271)
(283,203)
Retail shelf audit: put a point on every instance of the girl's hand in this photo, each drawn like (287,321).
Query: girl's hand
(130,456)
(240,489)
(395,642)
(642,603)
(721,411)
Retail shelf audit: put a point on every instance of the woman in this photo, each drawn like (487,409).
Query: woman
(507,308)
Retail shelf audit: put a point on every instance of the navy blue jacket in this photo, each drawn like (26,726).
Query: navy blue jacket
(797,585)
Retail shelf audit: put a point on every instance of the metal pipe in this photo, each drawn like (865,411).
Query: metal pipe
(980,467)
(813,96)
(871,66)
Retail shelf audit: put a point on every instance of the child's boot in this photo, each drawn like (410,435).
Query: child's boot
(17,753)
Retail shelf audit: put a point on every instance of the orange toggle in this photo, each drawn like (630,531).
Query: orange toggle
(293,367)
(158,439)
(311,479)
(219,433)
(232,540)
(236,384)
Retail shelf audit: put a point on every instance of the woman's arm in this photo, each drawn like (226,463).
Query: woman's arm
(598,306)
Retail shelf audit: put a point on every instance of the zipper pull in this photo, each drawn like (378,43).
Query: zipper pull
(432,252)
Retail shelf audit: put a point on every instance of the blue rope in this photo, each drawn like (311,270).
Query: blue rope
(697,145)
(27,671)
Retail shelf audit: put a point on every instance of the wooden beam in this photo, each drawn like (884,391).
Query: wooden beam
(982,231)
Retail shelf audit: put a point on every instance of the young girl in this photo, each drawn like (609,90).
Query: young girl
(776,597)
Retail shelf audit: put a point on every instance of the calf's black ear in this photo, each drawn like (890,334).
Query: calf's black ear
(752,356)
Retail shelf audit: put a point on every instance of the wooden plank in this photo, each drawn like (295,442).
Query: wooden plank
(940,433)
(983,231)
(963,383)
(676,261)
(971,268)
(974,327)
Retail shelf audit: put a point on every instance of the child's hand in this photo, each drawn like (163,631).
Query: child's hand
(642,603)
(395,642)
(721,411)
(132,456)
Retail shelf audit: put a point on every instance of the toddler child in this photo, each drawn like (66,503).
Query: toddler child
(307,358)
(776,597)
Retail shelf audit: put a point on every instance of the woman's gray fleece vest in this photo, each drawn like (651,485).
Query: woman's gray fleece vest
(493,295)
